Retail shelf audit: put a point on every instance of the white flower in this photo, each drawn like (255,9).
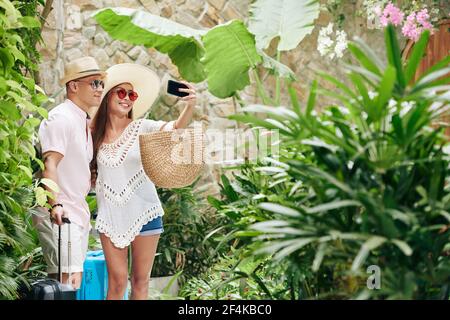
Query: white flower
(373,10)
(341,43)
(324,45)
(329,29)
(329,47)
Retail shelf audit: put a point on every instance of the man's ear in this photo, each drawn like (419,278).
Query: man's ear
(72,86)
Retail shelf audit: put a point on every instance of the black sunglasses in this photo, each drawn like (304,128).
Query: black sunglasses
(95,84)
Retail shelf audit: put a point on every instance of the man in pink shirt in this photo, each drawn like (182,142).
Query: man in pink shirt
(67,151)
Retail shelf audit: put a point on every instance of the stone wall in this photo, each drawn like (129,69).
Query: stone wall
(70,32)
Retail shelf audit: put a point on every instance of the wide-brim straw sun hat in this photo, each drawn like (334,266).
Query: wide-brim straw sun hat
(144,81)
(173,159)
(80,68)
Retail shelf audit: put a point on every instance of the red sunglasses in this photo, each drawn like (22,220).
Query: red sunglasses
(122,93)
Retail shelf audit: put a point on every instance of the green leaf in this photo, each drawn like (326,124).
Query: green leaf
(319,257)
(278,226)
(11,12)
(371,244)
(416,56)
(277,208)
(438,65)
(228,188)
(431,78)
(10,110)
(262,285)
(257,122)
(398,128)
(3,87)
(40,163)
(294,98)
(50,184)
(42,112)
(29,84)
(446,215)
(363,59)
(311,99)
(41,197)
(290,20)
(6,59)
(402,245)
(418,118)
(26,170)
(364,93)
(369,76)
(28,148)
(214,202)
(322,174)
(16,53)
(230,53)
(393,54)
(180,42)
(297,245)
(338,84)
(385,91)
(29,22)
(370,54)
(333,205)
(32,122)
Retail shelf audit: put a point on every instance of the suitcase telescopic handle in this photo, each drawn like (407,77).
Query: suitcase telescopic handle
(65,220)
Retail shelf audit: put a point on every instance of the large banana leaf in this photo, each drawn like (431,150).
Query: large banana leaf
(230,53)
(291,20)
(180,42)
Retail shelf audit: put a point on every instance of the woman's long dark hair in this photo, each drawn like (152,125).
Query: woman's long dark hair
(98,128)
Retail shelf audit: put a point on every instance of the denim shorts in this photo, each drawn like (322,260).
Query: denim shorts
(152,227)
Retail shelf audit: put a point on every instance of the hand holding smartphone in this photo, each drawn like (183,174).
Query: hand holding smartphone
(174,86)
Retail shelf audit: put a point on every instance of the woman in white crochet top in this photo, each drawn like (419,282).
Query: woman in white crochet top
(129,209)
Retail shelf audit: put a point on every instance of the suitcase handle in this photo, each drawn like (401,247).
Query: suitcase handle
(69,244)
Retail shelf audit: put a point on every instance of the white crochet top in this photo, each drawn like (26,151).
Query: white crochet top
(126,197)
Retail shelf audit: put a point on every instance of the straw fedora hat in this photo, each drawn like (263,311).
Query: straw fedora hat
(144,81)
(173,159)
(80,68)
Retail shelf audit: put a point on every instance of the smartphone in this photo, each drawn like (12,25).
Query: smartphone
(173,86)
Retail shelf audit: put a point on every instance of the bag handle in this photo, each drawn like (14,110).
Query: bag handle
(162,127)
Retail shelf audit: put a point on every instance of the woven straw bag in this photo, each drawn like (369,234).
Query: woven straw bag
(173,159)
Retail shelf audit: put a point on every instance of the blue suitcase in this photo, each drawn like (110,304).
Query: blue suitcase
(94,285)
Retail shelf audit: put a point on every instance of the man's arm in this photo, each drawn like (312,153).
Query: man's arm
(51,160)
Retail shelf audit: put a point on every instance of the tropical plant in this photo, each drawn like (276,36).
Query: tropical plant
(372,187)
(363,183)
(239,275)
(186,224)
(223,55)
(20,100)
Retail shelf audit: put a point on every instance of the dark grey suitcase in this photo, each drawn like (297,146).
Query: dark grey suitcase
(51,289)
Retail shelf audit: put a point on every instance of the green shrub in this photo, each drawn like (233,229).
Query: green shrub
(239,275)
(370,182)
(20,99)
(182,246)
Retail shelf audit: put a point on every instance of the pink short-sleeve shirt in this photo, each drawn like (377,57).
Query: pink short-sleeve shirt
(66,131)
